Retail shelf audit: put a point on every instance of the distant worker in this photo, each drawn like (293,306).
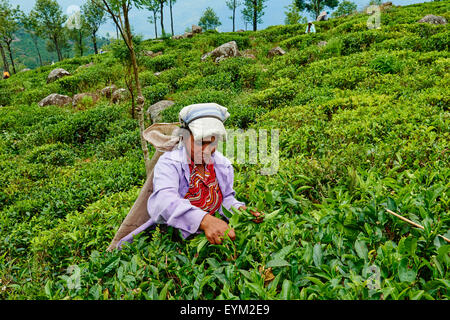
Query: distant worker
(322,16)
(310,28)
(6,74)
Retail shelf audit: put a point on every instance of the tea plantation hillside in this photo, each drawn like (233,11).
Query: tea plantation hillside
(363,119)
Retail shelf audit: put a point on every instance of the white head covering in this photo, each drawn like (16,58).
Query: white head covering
(204,120)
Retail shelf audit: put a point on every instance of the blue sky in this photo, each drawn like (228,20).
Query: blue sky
(188,12)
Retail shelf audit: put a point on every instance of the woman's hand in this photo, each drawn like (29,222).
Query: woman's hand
(215,229)
(259,216)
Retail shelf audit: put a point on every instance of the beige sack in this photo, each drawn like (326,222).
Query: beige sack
(160,136)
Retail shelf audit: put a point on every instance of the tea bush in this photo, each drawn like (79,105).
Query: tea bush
(155,92)
(362,127)
(160,63)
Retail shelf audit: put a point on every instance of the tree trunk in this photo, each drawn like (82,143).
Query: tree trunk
(234,14)
(94,41)
(35,41)
(162,17)
(8,45)
(317,8)
(129,82)
(255,15)
(171,18)
(5,62)
(156,25)
(80,42)
(140,97)
(58,52)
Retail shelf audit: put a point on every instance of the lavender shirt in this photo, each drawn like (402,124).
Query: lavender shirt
(167,205)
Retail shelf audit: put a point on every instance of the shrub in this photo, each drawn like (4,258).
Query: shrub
(172,76)
(58,154)
(90,125)
(147,78)
(243,116)
(280,93)
(304,40)
(386,64)
(155,93)
(118,145)
(160,63)
(252,76)
(438,41)
(347,78)
(189,81)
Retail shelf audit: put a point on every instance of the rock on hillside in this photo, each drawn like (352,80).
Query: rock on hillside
(154,111)
(56,74)
(432,19)
(55,99)
(227,50)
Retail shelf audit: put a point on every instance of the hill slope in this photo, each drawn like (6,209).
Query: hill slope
(363,124)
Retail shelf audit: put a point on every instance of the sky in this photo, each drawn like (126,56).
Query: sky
(188,12)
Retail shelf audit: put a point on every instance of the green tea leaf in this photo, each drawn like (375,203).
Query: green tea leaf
(317,254)
(404,273)
(277,263)
(361,249)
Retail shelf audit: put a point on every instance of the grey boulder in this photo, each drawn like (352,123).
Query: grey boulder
(55,99)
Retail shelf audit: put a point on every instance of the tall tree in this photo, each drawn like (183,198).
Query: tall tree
(119,10)
(344,8)
(171,3)
(9,18)
(209,20)
(50,21)
(233,5)
(253,12)
(293,15)
(161,17)
(29,24)
(153,6)
(94,17)
(5,61)
(77,33)
(316,6)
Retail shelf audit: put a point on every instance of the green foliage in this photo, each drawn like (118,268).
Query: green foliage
(386,64)
(155,93)
(58,154)
(209,20)
(160,63)
(363,126)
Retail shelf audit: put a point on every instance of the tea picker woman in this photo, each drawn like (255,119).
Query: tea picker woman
(191,180)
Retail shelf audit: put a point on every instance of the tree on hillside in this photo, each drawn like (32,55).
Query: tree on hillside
(9,18)
(161,15)
(50,21)
(154,7)
(253,12)
(344,8)
(209,20)
(77,33)
(171,3)
(4,60)
(315,6)
(30,26)
(119,10)
(293,15)
(233,5)
(94,17)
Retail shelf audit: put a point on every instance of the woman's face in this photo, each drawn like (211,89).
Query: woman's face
(201,151)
